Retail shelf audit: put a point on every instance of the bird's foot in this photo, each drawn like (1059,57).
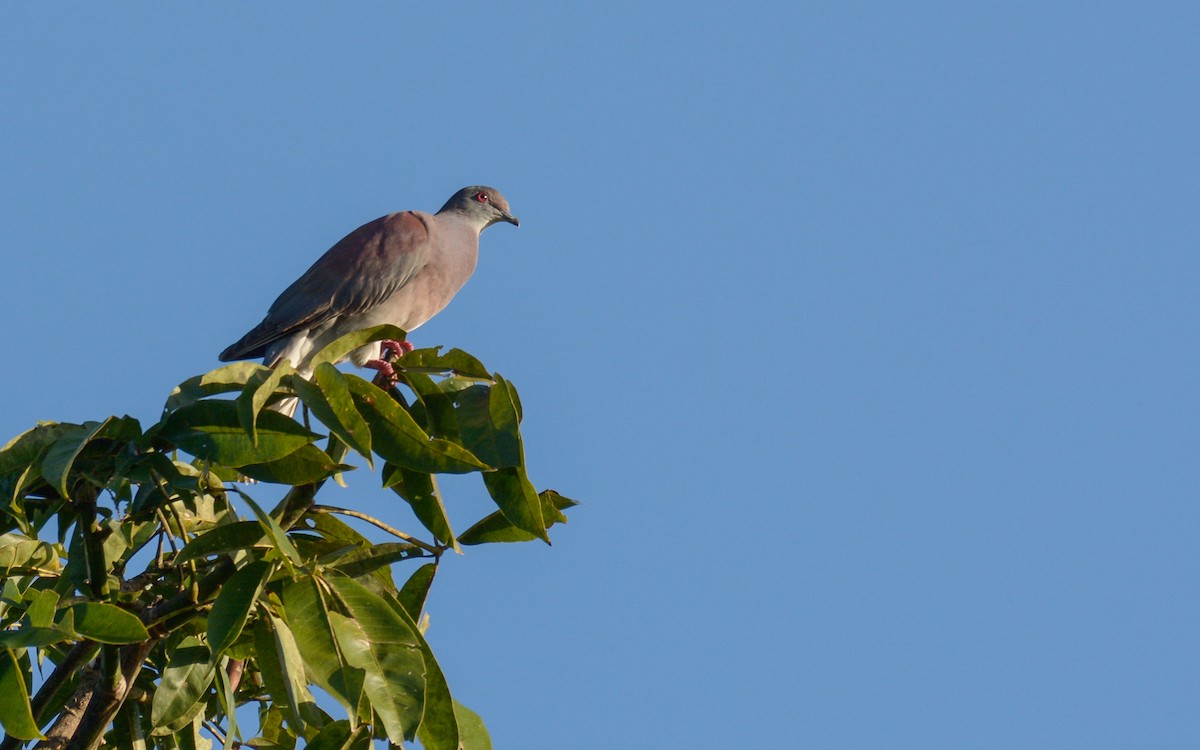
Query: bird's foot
(390,349)
(384,368)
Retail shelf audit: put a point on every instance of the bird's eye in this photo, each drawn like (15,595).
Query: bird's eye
(481,197)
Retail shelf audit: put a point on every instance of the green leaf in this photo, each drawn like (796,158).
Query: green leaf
(456,361)
(497,528)
(21,555)
(487,419)
(211,431)
(399,439)
(363,560)
(278,538)
(517,500)
(16,714)
(439,419)
(439,728)
(108,623)
(233,604)
(231,377)
(420,490)
(260,386)
(340,348)
(232,537)
(335,409)
(42,605)
(471,732)
(376,639)
(34,637)
(308,616)
(184,683)
(27,448)
(282,668)
(304,466)
(61,456)
(416,588)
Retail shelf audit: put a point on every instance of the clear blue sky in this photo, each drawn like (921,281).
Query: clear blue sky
(867,334)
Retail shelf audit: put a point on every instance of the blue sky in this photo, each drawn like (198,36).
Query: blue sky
(866,334)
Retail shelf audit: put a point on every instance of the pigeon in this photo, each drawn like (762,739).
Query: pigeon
(401,269)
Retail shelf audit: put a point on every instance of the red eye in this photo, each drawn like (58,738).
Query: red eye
(481,197)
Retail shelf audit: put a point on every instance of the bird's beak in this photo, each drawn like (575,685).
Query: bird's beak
(506,216)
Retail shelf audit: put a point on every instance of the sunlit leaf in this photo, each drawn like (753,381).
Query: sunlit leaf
(211,431)
(471,732)
(399,439)
(231,377)
(16,714)
(275,534)
(416,589)
(260,386)
(108,623)
(308,615)
(328,398)
(376,639)
(341,348)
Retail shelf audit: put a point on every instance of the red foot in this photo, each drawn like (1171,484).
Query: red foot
(390,349)
(384,367)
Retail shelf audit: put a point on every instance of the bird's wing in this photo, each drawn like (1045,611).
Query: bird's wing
(362,270)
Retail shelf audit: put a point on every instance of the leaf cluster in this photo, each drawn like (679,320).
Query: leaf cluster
(155,595)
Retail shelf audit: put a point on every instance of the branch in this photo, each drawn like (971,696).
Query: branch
(431,549)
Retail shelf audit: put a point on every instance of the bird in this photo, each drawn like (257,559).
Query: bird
(401,269)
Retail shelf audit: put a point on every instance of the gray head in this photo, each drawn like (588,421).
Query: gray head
(484,204)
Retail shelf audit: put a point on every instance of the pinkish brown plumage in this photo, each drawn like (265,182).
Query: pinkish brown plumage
(401,269)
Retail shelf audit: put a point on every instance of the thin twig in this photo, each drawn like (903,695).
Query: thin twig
(433,550)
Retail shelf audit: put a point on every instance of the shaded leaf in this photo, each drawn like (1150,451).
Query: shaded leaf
(184,683)
(497,528)
(231,537)
(420,490)
(309,464)
(487,420)
(108,623)
(56,466)
(399,439)
(517,500)
(233,604)
(416,589)
(16,714)
(211,431)
(363,560)
(456,361)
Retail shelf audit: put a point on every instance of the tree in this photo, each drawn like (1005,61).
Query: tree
(155,595)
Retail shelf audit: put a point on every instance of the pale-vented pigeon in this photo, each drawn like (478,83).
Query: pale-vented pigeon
(400,269)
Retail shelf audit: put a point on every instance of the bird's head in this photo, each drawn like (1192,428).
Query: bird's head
(482,204)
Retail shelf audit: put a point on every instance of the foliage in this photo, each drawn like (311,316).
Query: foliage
(155,595)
